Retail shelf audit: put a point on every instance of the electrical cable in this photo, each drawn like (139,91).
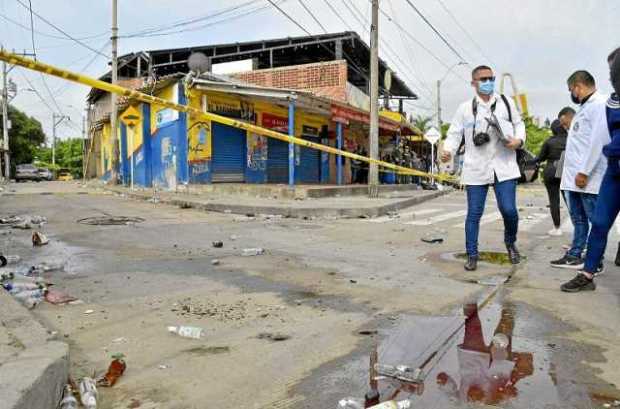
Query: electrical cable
(316,20)
(333,9)
(464,30)
(436,31)
(60,30)
(43,34)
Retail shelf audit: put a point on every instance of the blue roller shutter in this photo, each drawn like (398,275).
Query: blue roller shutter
(310,163)
(229,148)
(277,161)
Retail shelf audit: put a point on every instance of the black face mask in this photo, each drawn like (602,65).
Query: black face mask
(575,99)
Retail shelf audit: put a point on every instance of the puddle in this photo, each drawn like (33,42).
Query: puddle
(521,369)
(491,257)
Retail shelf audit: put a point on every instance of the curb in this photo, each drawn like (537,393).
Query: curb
(291,212)
(34,377)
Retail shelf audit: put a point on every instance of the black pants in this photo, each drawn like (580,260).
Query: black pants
(553,191)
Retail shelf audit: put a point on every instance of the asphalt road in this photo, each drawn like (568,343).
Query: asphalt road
(335,287)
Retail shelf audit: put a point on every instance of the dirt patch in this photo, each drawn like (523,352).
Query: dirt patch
(208,350)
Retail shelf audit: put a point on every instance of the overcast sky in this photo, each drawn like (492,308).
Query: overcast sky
(539,42)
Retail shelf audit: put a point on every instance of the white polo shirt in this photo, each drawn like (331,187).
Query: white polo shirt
(482,163)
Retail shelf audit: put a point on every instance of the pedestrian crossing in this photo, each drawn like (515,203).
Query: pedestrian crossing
(446,216)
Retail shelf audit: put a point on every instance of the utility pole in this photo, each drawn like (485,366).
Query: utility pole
(373,174)
(5,121)
(56,120)
(113,110)
(439,106)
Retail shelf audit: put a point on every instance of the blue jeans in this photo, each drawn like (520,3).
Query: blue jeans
(506,195)
(605,213)
(581,209)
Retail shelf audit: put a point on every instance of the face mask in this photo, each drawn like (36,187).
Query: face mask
(486,88)
(575,99)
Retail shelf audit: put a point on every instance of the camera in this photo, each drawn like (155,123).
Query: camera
(481,138)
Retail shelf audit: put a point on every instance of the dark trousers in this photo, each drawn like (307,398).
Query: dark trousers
(581,208)
(553,191)
(605,212)
(506,195)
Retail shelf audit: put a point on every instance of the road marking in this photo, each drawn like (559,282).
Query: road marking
(437,219)
(405,215)
(489,218)
(532,220)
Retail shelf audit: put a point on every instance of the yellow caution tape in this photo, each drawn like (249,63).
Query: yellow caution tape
(205,116)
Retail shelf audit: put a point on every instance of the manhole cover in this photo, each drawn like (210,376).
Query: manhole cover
(110,220)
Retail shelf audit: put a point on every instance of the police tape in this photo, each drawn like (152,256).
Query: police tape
(38,66)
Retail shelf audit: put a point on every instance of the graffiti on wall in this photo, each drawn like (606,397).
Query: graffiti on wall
(199,142)
(168,160)
(257,152)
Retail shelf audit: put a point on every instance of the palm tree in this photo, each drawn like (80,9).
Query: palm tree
(422,123)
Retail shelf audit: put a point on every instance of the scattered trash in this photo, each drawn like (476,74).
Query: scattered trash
(68,399)
(403,404)
(120,340)
(39,239)
(88,312)
(88,393)
(277,336)
(38,220)
(187,332)
(368,332)
(218,244)
(22,226)
(29,298)
(164,366)
(353,281)
(11,220)
(57,297)
(215,262)
(233,237)
(253,252)
(12,259)
(432,239)
(350,403)
(115,370)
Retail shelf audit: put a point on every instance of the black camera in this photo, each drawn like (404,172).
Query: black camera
(481,138)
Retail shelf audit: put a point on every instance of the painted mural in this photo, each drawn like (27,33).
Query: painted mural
(257,152)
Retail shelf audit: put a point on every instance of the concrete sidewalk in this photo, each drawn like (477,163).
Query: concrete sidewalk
(346,206)
(34,367)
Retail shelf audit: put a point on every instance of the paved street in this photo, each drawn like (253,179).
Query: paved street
(334,286)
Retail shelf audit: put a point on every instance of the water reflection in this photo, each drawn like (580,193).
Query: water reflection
(489,373)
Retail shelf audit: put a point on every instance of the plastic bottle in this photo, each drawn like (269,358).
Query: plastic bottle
(350,403)
(187,332)
(88,393)
(68,400)
(253,252)
(115,371)
(403,404)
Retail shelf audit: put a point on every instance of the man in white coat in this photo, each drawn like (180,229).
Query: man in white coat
(584,163)
(491,130)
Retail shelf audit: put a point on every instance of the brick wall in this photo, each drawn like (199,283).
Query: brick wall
(327,79)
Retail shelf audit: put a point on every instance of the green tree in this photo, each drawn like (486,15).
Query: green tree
(423,123)
(68,156)
(536,135)
(25,137)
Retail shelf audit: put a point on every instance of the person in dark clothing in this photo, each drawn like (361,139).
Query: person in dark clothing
(551,152)
(607,205)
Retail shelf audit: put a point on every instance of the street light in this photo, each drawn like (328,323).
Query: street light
(439,123)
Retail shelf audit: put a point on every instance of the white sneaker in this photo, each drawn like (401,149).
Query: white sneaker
(555,232)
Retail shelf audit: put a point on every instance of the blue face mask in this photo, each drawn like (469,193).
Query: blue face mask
(486,88)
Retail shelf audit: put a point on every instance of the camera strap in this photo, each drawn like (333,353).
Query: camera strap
(474,109)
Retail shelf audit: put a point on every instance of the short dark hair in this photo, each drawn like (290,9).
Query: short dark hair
(581,77)
(613,55)
(566,110)
(479,68)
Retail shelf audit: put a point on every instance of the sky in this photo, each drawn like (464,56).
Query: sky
(539,42)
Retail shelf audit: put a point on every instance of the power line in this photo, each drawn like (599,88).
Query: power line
(34,89)
(457,22)
(435,30)
(34,49)
(333,9)
(60,30)
(316,20)
(43,34)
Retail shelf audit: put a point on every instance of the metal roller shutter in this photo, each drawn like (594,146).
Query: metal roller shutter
(229,151)
(277,161)
(310,163)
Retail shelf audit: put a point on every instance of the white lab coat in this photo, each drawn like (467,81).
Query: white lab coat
(584,146)
(482,163)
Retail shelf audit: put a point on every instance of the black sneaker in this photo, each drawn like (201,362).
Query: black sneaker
(568,261)
(513,254)
(579,283)
(472,263)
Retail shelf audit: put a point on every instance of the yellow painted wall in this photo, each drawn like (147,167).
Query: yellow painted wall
(138,134)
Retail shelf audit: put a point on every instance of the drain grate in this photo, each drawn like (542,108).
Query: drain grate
(110,220)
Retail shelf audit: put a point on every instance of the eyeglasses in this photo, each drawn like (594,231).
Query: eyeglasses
(486,79)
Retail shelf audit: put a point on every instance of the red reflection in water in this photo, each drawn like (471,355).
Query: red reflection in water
(488,373)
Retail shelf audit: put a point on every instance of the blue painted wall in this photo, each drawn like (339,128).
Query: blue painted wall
(182,140)
(146,145)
